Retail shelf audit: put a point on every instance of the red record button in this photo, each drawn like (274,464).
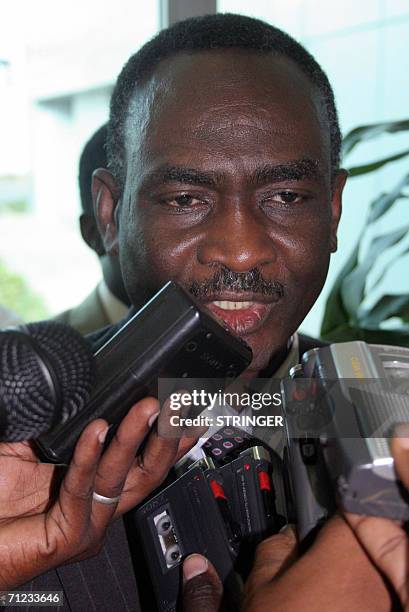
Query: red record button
(264,481)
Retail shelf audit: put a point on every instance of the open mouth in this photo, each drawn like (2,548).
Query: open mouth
(242,316)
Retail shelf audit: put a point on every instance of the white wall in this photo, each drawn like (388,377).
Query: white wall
(64,60)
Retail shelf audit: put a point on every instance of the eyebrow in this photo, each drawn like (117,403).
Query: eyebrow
(291,171)
(269,173)
(181,174)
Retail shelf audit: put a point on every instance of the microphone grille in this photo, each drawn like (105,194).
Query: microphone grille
(27,395)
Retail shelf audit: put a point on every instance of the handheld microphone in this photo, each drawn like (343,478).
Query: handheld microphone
(46,377)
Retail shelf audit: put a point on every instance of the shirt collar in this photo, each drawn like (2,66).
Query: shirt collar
(292,358)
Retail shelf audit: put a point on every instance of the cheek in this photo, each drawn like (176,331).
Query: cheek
(306,256)
(163,253)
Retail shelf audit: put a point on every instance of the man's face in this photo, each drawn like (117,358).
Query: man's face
(228,192)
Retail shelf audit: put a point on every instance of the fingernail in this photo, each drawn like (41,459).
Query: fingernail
(402,432)
(152,419)
(288,527)
(194,565)
(103,434)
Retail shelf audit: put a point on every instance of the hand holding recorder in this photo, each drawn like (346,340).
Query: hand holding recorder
(46,523)
(335,574)
(50,515)
(385,540)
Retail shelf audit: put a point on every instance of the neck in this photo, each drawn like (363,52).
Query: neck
(113,278)
(274,363)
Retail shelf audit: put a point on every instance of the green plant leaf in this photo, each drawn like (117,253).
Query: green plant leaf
(348,333)
(353,285)
(335,312)
(366,168)
(388,306)
(383,203)
(368,132)
(344,317)
(386,268)
(342,333)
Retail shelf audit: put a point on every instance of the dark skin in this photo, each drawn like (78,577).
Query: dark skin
(42,527)
(111,270)
(243,183)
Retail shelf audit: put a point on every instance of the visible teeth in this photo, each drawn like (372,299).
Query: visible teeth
(232,305)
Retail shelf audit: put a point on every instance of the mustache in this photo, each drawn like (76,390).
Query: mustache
(227,280)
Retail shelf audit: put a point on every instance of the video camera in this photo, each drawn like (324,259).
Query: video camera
(341,405)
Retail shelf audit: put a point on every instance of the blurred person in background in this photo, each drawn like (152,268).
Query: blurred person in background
(108,302)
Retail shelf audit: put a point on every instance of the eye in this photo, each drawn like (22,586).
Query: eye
(287,197)
(184,200)
(284,199)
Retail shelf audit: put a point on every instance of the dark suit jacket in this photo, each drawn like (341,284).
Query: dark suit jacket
(106,582)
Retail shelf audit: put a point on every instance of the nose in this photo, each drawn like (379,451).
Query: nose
(238,239)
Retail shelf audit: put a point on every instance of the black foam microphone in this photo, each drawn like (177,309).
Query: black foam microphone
(46,377)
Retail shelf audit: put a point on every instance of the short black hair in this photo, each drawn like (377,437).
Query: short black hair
(220,31)
(93,156)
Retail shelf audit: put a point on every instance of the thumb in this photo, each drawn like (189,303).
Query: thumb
(400,452)
(202,588)
(273,556)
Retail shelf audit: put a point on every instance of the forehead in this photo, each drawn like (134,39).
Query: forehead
(229,105)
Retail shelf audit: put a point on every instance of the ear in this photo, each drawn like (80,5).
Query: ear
(105,195)
(336,205)
(90,234)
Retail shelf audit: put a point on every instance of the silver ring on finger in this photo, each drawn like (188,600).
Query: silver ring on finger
(101,499)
